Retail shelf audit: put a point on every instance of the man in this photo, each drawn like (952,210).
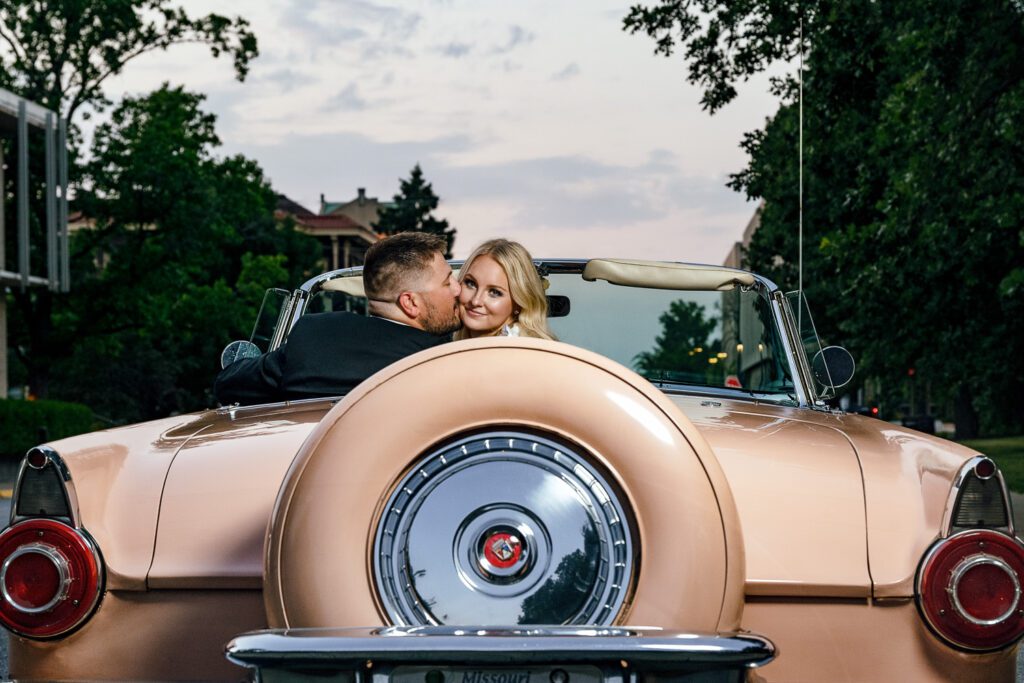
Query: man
(413,305)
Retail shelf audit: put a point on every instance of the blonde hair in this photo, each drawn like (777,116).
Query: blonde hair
(524,283)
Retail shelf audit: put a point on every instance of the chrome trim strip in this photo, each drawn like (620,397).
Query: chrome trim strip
(281,315)
(290,315)
(967,470)
(630,652)
(563,265)
(70,495)
(798,367)
(723,393)
(966,565)
(50,553)
(235,411)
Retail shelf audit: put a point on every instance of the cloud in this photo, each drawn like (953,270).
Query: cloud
(380,49)
(661,159)
(572,70)
(571,192)
(286,79)
(579,192)
(303,166)
(304,19)
(328,23)
(455,50)
(563,192)
(517,36)
(347,100)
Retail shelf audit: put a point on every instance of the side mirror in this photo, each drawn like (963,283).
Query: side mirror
(833,367)
(237,350)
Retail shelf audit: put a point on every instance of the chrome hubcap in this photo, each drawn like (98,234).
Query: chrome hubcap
(503,528)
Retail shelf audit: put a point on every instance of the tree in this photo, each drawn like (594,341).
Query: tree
(914,202)
(186,243)
(60,53)
(681,350)
(411,211)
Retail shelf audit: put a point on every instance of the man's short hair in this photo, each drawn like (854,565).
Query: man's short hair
(395,263)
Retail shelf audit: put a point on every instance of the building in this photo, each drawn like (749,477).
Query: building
(734,259)
(363,210)
(344,229)
(23,123)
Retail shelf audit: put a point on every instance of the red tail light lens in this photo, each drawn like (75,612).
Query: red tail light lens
(34,577)
(969,590)
(50,578)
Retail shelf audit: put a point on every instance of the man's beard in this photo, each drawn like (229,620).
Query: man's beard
(440,322)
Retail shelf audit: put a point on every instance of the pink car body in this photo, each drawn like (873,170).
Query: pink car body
(446,491)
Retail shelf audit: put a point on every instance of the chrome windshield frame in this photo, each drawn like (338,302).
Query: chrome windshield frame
(799,367)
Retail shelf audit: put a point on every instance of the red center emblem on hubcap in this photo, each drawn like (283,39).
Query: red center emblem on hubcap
(503,549)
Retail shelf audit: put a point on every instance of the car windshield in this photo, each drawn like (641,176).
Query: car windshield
(722,340)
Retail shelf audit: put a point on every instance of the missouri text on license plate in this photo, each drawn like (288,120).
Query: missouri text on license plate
(552,674)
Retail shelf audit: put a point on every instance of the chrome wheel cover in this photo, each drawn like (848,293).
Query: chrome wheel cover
(504,528)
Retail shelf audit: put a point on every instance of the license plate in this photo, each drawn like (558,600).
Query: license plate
(552,674)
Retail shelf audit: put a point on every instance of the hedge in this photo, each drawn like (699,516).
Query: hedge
(24,424)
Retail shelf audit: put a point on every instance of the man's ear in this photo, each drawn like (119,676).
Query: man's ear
(410,304)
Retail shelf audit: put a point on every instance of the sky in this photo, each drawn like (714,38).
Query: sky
(540,121)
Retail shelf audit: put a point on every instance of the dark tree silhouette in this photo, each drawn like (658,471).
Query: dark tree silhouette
(411,211)
(682,348)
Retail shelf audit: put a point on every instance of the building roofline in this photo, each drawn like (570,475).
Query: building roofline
(35,113)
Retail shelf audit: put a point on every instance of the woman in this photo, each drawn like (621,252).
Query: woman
(502,293)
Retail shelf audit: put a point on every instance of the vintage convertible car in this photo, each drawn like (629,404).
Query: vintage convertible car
(664,494)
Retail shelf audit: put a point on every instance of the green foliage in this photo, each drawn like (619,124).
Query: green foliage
(24,424)
(411,211)
(724,42)
(58,53)
(914,179)
(184,245)
(684,330)
(1008,452)
(566,591)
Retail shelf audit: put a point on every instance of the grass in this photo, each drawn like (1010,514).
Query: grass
(1008,452)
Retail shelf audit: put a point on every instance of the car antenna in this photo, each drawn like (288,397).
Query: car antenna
(800,220)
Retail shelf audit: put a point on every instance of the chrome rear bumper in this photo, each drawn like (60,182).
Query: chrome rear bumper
(450,654)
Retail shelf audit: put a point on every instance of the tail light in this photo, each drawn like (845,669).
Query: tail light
(969,590)
(50,578)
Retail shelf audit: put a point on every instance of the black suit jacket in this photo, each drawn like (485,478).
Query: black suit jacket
(326,354)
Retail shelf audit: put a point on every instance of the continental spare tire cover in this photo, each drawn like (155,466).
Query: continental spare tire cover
(505,481)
